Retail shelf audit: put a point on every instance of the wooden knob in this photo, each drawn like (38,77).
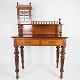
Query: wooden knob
(51,42)
(30,3)
(28,41)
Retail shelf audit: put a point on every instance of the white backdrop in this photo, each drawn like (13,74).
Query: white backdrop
(67,10)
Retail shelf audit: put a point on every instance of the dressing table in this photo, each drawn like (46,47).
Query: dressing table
(40,33)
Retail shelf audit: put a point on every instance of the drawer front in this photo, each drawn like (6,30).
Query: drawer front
(25,42)
(53,42)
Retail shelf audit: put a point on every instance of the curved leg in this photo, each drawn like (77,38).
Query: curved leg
(22,56)
(57,55)
(62,61)
(16,61)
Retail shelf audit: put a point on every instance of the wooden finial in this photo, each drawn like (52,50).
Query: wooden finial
(30,3)
(17,3)
(59,21)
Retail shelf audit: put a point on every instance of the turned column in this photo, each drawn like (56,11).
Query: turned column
(62,61)
(60,27)
(16,61)
(20,30)
(22,56)
(57,55)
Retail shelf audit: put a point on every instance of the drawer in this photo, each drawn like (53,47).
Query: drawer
(54,42)
(26,42)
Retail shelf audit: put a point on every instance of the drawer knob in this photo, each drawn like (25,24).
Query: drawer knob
(28,41)
(51,42)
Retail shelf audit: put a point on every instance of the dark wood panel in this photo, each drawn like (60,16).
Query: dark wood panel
(46,29)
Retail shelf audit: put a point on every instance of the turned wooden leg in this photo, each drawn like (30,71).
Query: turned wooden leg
(16,61)
(57,55)
(22,56)
(62,61)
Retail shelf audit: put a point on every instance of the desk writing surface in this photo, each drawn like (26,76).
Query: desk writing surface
(37,36)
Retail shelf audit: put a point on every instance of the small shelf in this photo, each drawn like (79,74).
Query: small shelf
(23,15)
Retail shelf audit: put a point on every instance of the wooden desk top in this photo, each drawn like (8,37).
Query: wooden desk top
(37,36)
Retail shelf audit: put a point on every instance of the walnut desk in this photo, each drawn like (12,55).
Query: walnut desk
(42,35)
